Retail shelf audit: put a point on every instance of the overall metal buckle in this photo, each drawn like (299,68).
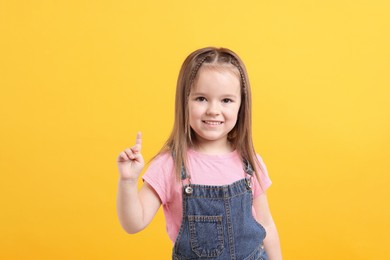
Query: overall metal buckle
(248,183)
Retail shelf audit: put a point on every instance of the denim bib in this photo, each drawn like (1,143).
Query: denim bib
(218,222)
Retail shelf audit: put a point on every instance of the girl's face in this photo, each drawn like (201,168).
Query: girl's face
(213,103)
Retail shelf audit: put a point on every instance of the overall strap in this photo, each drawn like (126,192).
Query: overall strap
(249,171)
(183,172)
(184,176)
(248,167)
(186,187)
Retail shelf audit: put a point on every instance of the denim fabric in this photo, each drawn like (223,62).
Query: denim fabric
(218,224)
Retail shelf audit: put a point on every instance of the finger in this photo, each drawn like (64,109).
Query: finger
(136,149)
(122,157)
(138,140)
(129,153)
(133,155)
(138,144)
(138,157)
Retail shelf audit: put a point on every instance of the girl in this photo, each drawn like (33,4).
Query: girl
(207,176)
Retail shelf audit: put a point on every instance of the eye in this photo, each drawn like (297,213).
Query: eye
(227,100)
(200,99)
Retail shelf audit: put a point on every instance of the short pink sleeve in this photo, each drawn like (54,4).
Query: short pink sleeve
(265,181)
(159,176)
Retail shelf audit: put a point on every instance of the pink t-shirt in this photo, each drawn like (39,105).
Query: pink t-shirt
(204,170)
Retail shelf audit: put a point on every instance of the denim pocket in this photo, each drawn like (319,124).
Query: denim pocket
(206,235)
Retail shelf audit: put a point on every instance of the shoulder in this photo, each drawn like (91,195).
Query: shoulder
(162,161)
(161,168)
(260,158)
(263,167)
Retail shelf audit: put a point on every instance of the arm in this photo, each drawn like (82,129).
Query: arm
(264,217)
(135,209)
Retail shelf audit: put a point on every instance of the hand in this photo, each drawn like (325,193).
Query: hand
(130,161)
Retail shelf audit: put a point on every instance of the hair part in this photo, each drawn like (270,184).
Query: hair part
(182,136)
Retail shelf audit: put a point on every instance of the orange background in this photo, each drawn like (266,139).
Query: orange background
(79,78)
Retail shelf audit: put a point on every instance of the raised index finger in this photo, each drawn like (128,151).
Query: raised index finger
(138,140)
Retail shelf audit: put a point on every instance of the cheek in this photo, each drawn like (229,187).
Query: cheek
(233,112)
(193,115)
(195,111)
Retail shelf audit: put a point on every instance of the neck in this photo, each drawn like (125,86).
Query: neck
(213,147)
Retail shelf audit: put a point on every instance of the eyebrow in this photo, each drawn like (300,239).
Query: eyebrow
(203,94)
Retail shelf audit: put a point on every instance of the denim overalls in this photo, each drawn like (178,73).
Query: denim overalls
(218,222)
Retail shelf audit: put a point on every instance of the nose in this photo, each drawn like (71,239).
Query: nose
(212,109)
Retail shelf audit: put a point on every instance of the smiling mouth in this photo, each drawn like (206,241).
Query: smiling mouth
(212,122)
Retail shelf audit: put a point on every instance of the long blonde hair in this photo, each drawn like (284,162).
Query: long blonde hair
(240,136)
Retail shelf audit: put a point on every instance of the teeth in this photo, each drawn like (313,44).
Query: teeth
(212,122)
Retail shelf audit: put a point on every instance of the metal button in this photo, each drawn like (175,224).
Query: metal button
(188,190)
